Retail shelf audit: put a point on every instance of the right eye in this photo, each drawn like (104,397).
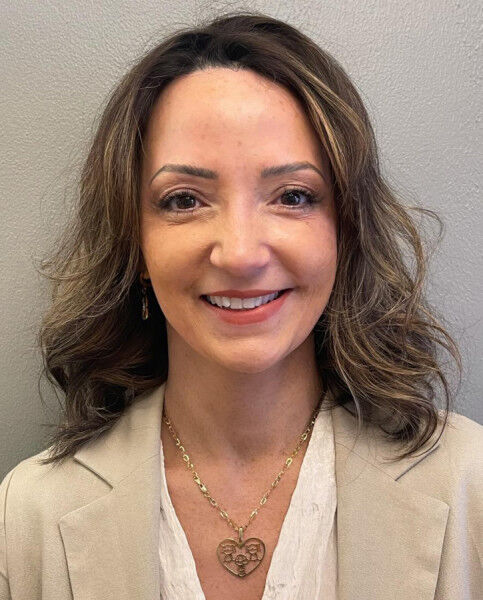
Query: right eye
(166,202)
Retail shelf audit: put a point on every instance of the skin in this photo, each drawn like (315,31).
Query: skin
(237,396)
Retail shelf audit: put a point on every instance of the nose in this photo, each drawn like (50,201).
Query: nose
(240,245)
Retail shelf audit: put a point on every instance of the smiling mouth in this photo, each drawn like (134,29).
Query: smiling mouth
(280,293)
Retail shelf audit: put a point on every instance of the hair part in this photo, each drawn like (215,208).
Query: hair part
(376,342)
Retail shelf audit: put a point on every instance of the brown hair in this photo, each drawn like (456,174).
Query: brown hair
(376,343)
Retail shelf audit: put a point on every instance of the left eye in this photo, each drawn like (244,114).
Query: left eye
(311,199)
(165,203)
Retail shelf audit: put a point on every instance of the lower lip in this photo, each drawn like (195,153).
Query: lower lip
(250,315)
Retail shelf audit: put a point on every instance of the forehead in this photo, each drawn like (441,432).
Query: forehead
(218,113)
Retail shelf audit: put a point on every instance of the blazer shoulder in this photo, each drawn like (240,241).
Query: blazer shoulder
(34,491)
(463,444)
(461,423)
(23,481)
(25,473)
(454,473)
(463,441)
(6,485)
(19,474)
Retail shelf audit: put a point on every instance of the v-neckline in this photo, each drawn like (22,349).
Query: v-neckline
(300,503)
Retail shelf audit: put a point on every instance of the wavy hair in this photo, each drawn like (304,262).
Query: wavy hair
(376,342)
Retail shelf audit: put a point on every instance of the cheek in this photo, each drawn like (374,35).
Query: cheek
(170,265)
(316,254)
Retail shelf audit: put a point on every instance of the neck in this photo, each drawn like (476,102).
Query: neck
(225,417)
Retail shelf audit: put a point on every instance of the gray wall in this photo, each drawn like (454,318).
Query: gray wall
(415,63)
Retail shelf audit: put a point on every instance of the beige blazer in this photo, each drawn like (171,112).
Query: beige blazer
(88,529)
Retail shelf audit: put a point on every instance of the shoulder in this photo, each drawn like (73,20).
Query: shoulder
(461,478)
(454,453)
(463,426)
(462,440)
(452,470)
(449,466)
(33,498)
(33,491)
(19,491)
(20,479)
(462,443)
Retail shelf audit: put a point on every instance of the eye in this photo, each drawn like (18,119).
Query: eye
(293,192)
(166,202)
(180,199)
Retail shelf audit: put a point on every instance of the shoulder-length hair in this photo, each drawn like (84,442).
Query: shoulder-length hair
(376,342)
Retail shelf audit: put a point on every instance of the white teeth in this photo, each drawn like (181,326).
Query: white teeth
(236,303)
(241,303)
(249,302)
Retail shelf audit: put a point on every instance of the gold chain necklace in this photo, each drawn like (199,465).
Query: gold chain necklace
(239,557)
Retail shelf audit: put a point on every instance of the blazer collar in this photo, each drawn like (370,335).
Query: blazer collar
(389,537)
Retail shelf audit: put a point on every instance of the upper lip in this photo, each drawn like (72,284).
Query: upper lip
(242,293)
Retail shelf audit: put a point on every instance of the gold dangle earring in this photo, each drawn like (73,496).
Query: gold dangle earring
(145,310)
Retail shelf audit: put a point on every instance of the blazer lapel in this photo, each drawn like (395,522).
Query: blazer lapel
(389,537)
(111,544)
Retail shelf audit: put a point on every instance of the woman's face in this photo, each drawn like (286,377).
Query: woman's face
(237,228)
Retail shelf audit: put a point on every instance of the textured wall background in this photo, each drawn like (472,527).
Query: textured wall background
(415,63)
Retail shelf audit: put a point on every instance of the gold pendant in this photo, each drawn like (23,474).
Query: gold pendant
(243,557)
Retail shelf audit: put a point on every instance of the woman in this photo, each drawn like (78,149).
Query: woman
(235,166)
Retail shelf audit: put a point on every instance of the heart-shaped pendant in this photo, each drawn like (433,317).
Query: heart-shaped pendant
(243,558)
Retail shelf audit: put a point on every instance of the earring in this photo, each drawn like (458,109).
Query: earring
(145,309)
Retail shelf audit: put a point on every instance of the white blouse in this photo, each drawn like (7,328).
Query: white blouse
(304,561)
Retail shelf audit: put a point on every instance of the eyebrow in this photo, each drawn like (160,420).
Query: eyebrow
(209,174)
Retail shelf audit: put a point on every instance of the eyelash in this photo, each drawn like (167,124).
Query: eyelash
(164,202)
